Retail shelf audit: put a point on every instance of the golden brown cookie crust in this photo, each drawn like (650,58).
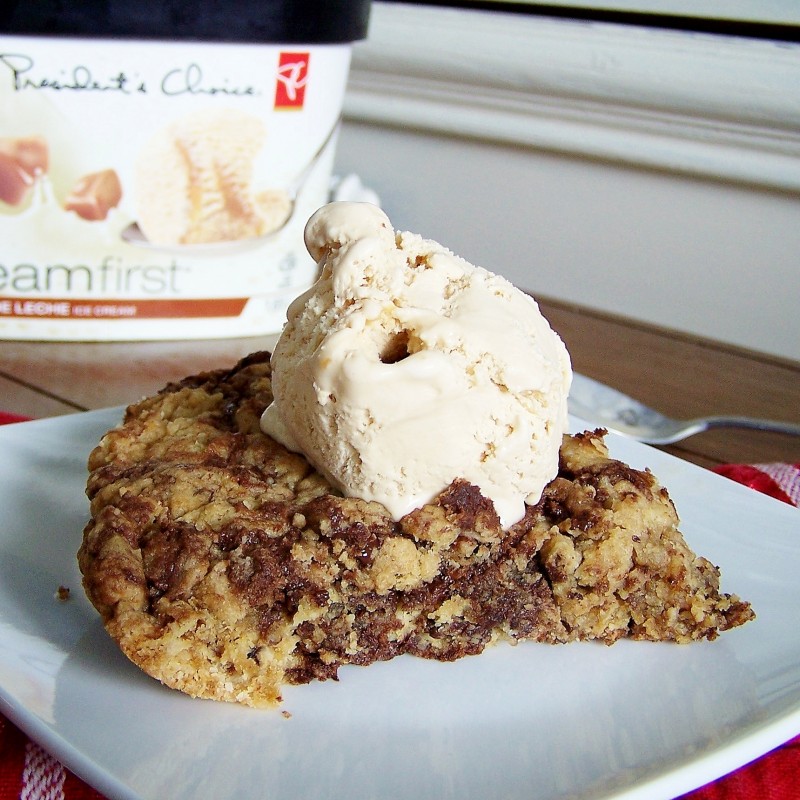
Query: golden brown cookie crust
(226,567)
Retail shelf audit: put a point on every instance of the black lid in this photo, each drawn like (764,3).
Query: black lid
(273,21)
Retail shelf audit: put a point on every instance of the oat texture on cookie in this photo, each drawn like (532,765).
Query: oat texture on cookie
(226,567)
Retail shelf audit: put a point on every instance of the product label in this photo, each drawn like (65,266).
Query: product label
(56,308)
(144,183)
(290,87)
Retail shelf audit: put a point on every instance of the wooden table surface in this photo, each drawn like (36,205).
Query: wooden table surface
(678,374)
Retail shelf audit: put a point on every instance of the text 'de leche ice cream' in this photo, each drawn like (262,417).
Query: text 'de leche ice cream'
(405,367)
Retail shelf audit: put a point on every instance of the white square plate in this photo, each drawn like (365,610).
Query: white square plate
(636,720)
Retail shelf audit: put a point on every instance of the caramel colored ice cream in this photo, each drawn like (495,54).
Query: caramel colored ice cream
(194,182)
(405,367)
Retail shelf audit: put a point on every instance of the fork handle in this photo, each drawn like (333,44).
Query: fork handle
(753,423)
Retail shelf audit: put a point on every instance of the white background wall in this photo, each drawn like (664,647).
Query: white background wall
(654,175)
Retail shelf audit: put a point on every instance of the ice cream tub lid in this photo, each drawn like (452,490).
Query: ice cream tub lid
(253,21)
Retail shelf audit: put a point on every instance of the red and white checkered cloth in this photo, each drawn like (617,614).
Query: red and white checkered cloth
(27,772)
(781,481)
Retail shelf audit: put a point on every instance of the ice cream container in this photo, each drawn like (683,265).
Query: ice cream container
(159,161)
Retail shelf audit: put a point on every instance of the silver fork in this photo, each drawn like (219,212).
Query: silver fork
(600,404)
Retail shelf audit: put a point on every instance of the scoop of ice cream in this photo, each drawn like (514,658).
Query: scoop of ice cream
(405,367)
(194,181)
